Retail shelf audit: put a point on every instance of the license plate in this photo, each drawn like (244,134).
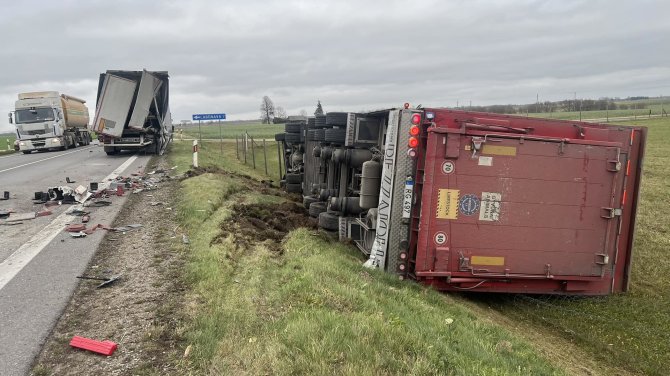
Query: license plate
(407,199)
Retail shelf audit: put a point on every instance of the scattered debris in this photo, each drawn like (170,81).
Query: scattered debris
(93,186)
(5,196)
(85,219)
(81,194)
(5,212)
(107,280)
(79,234)
(101,347)
(185,239)
(156,203)
(67,180)
(43,213)
(13,217)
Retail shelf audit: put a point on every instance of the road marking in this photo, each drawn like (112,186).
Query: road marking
(13,155)
(45,159)
(22,256)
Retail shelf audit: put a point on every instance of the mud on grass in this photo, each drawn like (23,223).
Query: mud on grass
(267,223)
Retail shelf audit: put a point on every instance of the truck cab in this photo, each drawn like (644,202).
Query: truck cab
(42,122)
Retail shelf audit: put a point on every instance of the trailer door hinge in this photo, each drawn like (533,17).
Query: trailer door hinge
(613,166)
(603,259)
(609,213)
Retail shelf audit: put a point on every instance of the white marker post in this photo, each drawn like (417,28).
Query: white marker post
(195,153)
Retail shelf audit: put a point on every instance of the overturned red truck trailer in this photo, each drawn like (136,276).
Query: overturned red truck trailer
(484,202)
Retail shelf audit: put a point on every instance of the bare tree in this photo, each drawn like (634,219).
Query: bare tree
(319,109)
(280,112)
(267,110)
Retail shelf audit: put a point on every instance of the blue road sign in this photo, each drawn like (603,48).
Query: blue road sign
(209,117)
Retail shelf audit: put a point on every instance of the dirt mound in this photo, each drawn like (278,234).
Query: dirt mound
(267,223)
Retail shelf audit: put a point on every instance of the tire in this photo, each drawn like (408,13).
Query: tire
(320,135)
(292,138)
(336,118)
(310,134)
(320,121)
(279,136)
(329,221)
(335,135)
(294,178)
(316,208)
(310,122)
(293,127)
(307,201)
(110,150)
(293,187)
(27,151)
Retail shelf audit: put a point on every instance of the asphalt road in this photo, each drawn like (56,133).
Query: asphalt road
(39,262)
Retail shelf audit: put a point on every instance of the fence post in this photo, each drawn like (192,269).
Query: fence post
(246,139)
(253,152)
(265,157)
(237,149)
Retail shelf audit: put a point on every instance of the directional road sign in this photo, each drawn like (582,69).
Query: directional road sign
(209,116)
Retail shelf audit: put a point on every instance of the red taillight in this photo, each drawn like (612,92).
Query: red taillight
(416,119)
(413,142)
(414,130)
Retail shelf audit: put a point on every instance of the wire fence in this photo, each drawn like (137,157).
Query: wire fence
(246,148)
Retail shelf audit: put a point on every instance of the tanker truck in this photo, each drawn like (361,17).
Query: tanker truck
(48,120)
(132,111)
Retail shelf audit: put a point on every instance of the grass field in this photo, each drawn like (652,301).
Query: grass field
(629,330)
(7,143)
(230,131)
(305,305)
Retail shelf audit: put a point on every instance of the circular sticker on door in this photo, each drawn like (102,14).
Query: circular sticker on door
(440,238)
(448,167)
(468,204)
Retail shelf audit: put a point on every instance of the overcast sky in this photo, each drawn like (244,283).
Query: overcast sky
(224,56)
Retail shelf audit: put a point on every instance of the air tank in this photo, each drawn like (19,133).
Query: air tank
(370,184)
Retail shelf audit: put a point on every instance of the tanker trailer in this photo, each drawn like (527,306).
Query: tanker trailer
(49,120)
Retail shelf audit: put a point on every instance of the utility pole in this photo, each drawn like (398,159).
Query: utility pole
(574,103)
(537,103)
(456,103)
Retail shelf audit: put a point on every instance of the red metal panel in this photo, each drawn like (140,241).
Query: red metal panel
(523,214)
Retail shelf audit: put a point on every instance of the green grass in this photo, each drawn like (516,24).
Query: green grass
(7,143)
(210,155)
(586,115)
(314,309)
(628,330)
(227,131)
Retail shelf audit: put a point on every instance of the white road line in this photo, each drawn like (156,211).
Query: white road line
(45,159)
(22,256)
(14,155)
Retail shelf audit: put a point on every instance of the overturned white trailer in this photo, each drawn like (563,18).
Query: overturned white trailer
(133,111)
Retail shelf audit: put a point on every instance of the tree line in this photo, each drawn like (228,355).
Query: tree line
(567,105)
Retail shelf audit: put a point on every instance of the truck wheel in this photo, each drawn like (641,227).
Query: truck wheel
(26,152)
(292,137)
(336,118)
(110,150)
(293,127)
(279,137)
(294,178)
(308,201)
(316,208)
(335,135)
(328,221)
(293,187)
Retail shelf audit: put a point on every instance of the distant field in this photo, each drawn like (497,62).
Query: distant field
(7,143)
(628,330)
(230,131)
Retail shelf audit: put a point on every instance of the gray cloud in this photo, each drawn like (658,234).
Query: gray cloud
(353,55)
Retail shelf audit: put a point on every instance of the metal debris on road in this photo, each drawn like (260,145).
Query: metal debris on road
(107,280)
(5,196)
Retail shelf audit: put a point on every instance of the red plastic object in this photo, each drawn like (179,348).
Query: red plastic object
(119,190)
(75,227)
(101,347)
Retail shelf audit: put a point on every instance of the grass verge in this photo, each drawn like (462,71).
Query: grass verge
(230,131)
(306,305)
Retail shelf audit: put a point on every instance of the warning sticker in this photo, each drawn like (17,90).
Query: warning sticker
(490,206)
(440,238)
(485,161)
(447,167)
(468,204)
(447,203)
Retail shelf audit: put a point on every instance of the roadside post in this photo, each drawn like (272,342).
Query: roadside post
(265,157)
(195,153)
